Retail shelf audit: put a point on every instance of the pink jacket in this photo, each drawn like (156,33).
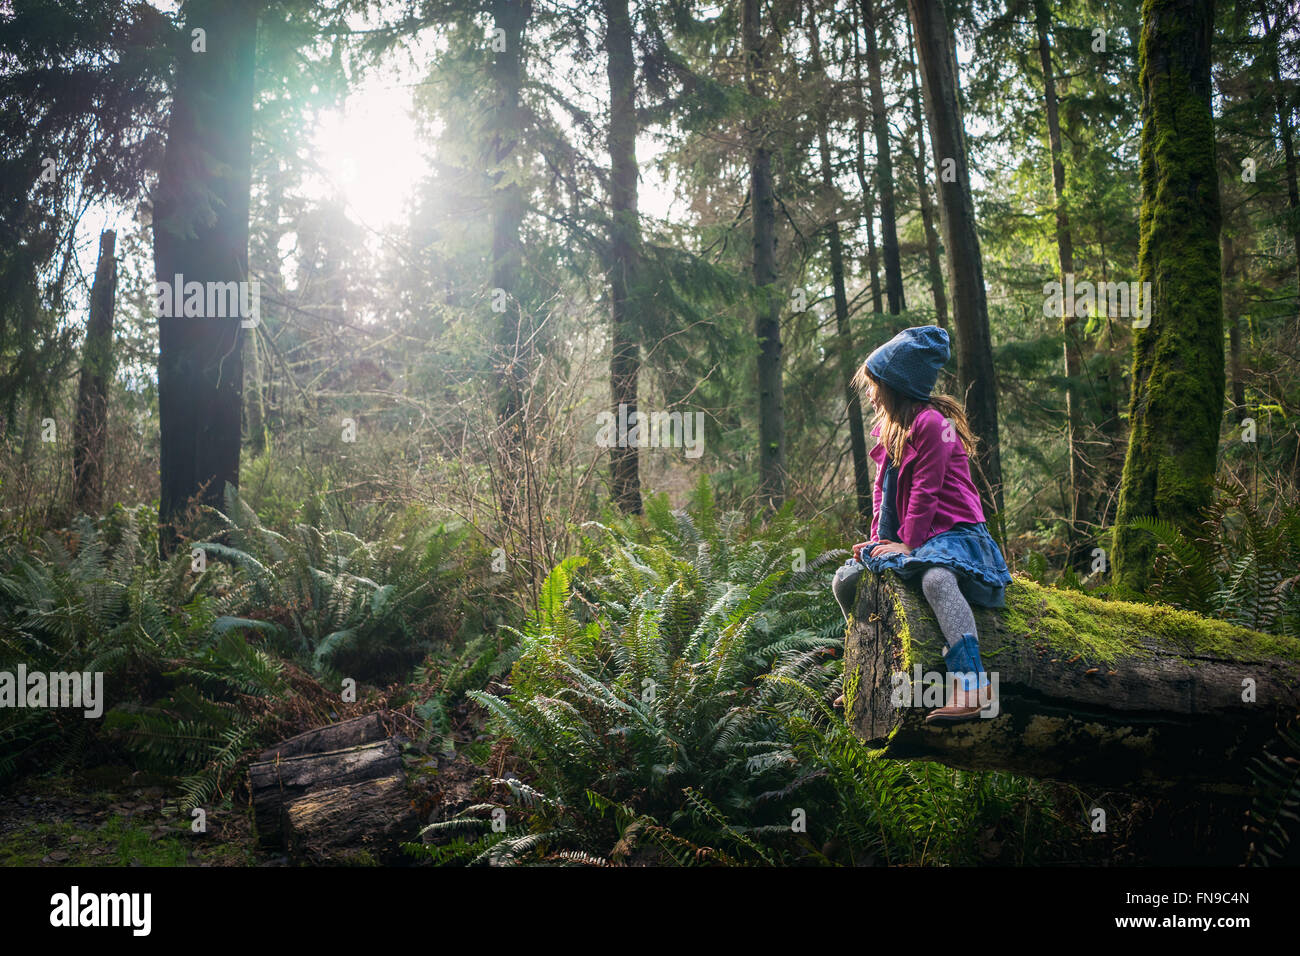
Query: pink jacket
(935,490)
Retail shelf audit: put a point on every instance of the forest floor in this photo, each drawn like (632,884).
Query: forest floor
(108,816)
(113,815)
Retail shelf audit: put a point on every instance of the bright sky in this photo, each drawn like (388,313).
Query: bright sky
(370,152)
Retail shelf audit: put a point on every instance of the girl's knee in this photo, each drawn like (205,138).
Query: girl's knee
(844,584)
(846,577)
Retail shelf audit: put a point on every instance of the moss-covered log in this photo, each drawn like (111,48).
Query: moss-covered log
(1102,693)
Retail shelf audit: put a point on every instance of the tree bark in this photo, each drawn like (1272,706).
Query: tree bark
(365,822)
(625,242)
(923,192)
(276,783)
(200,223)
(1178,375)
(975,375)
(89,440)
(1098,693)
(767,324)
(884,166)
(843,333)
(1234,325)
(354,732)
(1065,260)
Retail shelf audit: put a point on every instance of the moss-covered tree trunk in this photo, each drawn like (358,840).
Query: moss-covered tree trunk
(1178,377)
(1101,693)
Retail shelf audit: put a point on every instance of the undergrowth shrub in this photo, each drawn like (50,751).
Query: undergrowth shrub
(670,705)
(203,667)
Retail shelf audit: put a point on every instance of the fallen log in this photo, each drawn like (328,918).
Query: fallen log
(357,823)
(277,782)
(1102,693)
(366,729)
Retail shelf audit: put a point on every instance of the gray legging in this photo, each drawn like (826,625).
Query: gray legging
(940,588)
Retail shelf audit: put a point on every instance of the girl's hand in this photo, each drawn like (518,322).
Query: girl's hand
(888,547)
(858,549)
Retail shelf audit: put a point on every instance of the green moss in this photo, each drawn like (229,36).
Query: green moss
(904,633)
(1107,631)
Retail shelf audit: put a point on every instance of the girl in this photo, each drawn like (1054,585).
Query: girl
(928,522)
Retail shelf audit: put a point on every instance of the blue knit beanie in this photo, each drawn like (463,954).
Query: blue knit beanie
(909,363)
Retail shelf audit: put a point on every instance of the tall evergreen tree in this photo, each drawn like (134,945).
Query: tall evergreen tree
(200,223)
(624,248)
(884,165)
(1178,375)
(975,374)
(89,439)
(1065,260)
(757,45)
(923,191)
(847,358)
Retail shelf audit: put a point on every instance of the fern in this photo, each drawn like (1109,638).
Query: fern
(1275,813)
(1239,567)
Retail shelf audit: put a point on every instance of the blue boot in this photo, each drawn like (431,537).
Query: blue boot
(966,677)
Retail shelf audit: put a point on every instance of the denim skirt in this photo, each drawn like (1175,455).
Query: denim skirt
(968,550)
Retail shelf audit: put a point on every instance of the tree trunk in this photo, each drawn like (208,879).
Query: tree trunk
(884,165)
(1282,104)
(923,192)
(254,394)
(507,207)
(975,375)
(625,243)
(1234,325)
(1178,376)
(843,333)
(767,324)
(1065,259)
(864,181)
(1098,693)
(200,222)
(88,443)
(1112,397)
(264,262)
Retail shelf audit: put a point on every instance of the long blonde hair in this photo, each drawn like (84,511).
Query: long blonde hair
(898,412)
